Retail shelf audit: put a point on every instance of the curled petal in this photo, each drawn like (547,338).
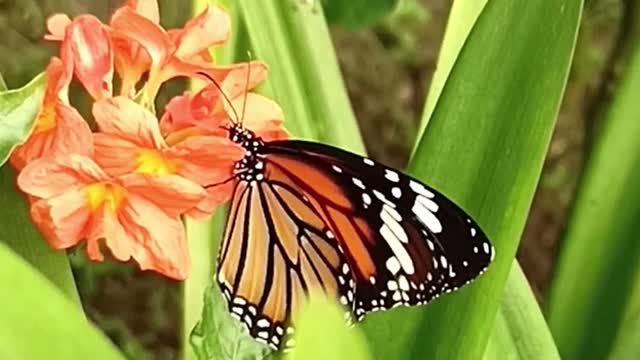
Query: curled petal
(177,114)
(92,55)
(56,25)
(128,120)
(211,27)
(159,239)
(62,219)
(146,8)
(129,23)
(51,176)
(131,62)
(172,193)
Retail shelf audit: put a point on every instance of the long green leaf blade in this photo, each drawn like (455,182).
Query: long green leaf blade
(520,331)
(484,147)
(39,322)
(596,269)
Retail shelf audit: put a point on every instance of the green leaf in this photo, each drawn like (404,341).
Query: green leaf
(627,345)
(39,322)
(600,254)
(18,232)
(520,331)
(18,110)
(357,13)
(218,336)
(484,148)
(322,334)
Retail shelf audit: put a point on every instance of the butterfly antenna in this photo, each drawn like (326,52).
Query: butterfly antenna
(217,85)
(246,88)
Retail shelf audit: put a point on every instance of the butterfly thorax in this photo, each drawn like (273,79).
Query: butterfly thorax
(251,166)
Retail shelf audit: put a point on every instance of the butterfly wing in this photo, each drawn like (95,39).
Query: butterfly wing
(405,242)
(276,249)
(323,219)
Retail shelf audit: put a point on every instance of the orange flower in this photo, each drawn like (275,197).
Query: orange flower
(59,128)
(130,142)
(207,113)
(86,42)
(137,216)
(181,52)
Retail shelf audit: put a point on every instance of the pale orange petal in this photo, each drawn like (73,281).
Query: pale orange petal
(211,27)
(56,25)
(160,239)
(126,119)
(50,176)
(92,55)
(62,219)
(146,8)
(171,193)
(127,22)
(216,196)
(117,156)
(206,160)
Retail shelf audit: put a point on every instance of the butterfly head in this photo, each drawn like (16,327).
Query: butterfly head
(251,166)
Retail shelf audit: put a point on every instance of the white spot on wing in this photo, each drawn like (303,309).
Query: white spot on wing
(398,249)
(368,161)
(420,189)
(393,265)
(424,210)
(357,182)
(388,219)
(391,175)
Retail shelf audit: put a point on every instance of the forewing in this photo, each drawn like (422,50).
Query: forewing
(406,242)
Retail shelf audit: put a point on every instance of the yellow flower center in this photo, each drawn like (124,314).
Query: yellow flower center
(151,161)
(46,119)
(109,194)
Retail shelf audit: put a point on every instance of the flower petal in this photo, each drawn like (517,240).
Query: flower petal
(128,120)
(177,114)
(51,176)
(62,219)
(172,193)
(56,25)
(129,23)
(92,55)
(206,160)
(159,240)
(68,134)
(105,226)
(131,62)
(117,156)
(211,27)
(262,115)
(216,196)
(146,8)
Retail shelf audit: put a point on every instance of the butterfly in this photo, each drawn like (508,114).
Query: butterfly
(306,217)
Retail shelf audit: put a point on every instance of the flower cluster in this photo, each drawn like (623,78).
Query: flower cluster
(128,183)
